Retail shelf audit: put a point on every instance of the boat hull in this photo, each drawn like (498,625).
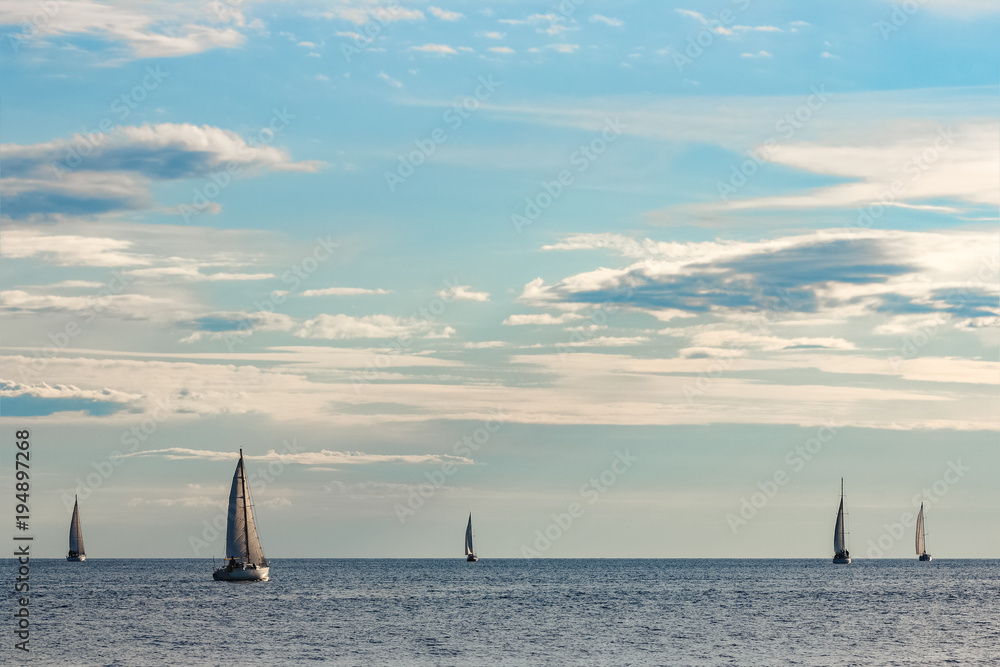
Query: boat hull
(472,559)
(925,558)
(842,561)
(76,559)
(258,574)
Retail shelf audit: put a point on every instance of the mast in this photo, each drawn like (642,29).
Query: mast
(243,482)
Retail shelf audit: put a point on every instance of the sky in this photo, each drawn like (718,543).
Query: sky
(621,279)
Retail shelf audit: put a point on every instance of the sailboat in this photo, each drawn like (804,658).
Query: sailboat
(841,556)
(922,537)
(470,553)
(244,557)
(77,554)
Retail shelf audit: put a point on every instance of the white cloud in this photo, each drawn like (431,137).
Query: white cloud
(501,49)
(439,49)
(360,15)
(485,345)
(116,169)
(759,54)
(343,291)
(395,83)
(162,30)
(346,327)
(541,319)
(902,163)
(122,306)
(492,34)
(756,28)
(462,293)
(322,457)
(598,18)
(445,15)
(564,48)
(61,391)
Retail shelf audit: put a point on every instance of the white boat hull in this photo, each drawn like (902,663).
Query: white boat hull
(76,559)
(238,574)
(842,561)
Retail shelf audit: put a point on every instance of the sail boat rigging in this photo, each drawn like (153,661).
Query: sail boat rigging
(922,537)
(77,554)
(841,556)
(245,559)
(470,553)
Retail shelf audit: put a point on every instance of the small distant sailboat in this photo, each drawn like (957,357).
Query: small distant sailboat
(469,551)
(922,537)
(841,556)
(77,554)
(244,556)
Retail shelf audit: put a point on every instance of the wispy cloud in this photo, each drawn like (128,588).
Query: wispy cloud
(322,457)
(445,15)
(607,20)
(462,293)
(395,83)
(344,291)
(439,49)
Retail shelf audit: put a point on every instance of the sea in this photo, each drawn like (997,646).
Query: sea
(513,612)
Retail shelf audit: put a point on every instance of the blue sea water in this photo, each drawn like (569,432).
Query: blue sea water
(519,612)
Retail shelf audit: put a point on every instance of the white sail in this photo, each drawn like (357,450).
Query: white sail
(76,533)
(839,539)
(242,542)
(468,538)
(921,547)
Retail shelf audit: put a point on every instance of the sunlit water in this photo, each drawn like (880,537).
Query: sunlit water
(560,612)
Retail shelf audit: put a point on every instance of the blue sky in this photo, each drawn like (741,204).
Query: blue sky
(639,255)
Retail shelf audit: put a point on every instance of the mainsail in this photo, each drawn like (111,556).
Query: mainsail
(839,540)
(242,542)
(468,537)
(75,532)
(921,547)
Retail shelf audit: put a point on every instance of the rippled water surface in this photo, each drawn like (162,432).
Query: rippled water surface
(560,612)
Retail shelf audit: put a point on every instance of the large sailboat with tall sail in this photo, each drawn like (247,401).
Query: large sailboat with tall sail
(841,556)
(244,556)
(470,553)
(922,537)
(77,554)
